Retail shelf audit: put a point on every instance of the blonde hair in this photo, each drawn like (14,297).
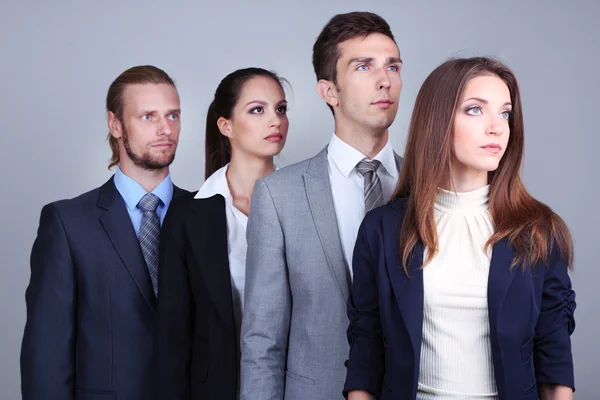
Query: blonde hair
(114,98)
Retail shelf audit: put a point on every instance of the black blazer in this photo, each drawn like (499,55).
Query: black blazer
(530,316)
(196,350)
(90,303)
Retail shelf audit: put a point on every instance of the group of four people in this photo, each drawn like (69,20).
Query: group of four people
(355,273)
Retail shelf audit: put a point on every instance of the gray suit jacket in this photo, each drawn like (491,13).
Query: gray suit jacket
(293,340)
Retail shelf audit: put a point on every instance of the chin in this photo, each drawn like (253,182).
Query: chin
(273,153)
(490,168)
(276,147)
(268,153)
(381,124)
(163,162)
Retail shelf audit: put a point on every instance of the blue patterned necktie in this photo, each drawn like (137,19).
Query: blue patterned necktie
(149,235)
(373,192)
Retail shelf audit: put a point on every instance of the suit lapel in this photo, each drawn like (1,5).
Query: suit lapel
(320,201)
(118,227)
(408,290)
(207,231)
(499,280)
(398,161)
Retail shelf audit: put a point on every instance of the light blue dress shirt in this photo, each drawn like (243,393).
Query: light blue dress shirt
(132,192)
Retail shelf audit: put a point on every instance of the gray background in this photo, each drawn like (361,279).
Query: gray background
(58,59)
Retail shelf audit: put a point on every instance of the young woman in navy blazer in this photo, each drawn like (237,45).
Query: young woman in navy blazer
(202,262)
(461,287)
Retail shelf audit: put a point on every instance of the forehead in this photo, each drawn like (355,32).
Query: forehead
(489,87)
(261,88)
(375,45)
(150,96)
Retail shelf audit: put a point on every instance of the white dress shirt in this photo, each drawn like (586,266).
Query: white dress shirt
(347,187)
(236,238)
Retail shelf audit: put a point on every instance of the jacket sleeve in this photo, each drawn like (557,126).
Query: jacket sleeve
(552,342)
(48,347)
(175,312)
(366,362)
(267,303)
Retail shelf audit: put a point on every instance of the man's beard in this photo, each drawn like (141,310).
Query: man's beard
(145,161)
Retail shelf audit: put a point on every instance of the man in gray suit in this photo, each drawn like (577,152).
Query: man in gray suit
(304,220)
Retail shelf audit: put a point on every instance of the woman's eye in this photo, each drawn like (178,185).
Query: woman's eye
(256,110)
(476,110)
(282,109)
(506,114)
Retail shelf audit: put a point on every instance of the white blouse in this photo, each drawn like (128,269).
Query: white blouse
(456,356)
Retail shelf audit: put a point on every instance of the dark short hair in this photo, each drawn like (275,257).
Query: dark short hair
(340,28)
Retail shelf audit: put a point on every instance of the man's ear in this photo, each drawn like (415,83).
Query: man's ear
(115,127)
(328,92)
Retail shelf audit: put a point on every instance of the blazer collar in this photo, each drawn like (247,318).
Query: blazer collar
(117,224)
(320,201)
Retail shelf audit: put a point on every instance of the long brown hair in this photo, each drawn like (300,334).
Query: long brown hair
(114,98)
(530,226)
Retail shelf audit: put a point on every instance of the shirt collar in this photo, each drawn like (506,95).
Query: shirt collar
(215,184)
(132,192)
(345,157)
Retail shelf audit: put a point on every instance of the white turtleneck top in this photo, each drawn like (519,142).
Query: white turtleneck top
(456,356)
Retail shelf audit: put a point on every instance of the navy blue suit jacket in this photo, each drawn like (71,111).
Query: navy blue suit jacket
(530,315)
(90,304)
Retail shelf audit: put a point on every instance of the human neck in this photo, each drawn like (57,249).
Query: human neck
(466,179)
(244,171)
(366,141)
(148,179)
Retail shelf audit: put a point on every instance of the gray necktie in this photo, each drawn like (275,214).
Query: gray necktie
(373,193)
(149,235)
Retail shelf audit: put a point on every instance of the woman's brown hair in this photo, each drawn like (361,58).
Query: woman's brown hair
(531,227)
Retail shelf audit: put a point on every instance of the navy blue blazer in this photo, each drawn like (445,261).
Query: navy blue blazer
(90,304)
(530,315)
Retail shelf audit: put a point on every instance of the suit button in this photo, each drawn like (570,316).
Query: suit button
(346,363)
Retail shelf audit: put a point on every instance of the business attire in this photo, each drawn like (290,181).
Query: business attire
(91,299)
(301,228)
(466,326)
(202,272)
